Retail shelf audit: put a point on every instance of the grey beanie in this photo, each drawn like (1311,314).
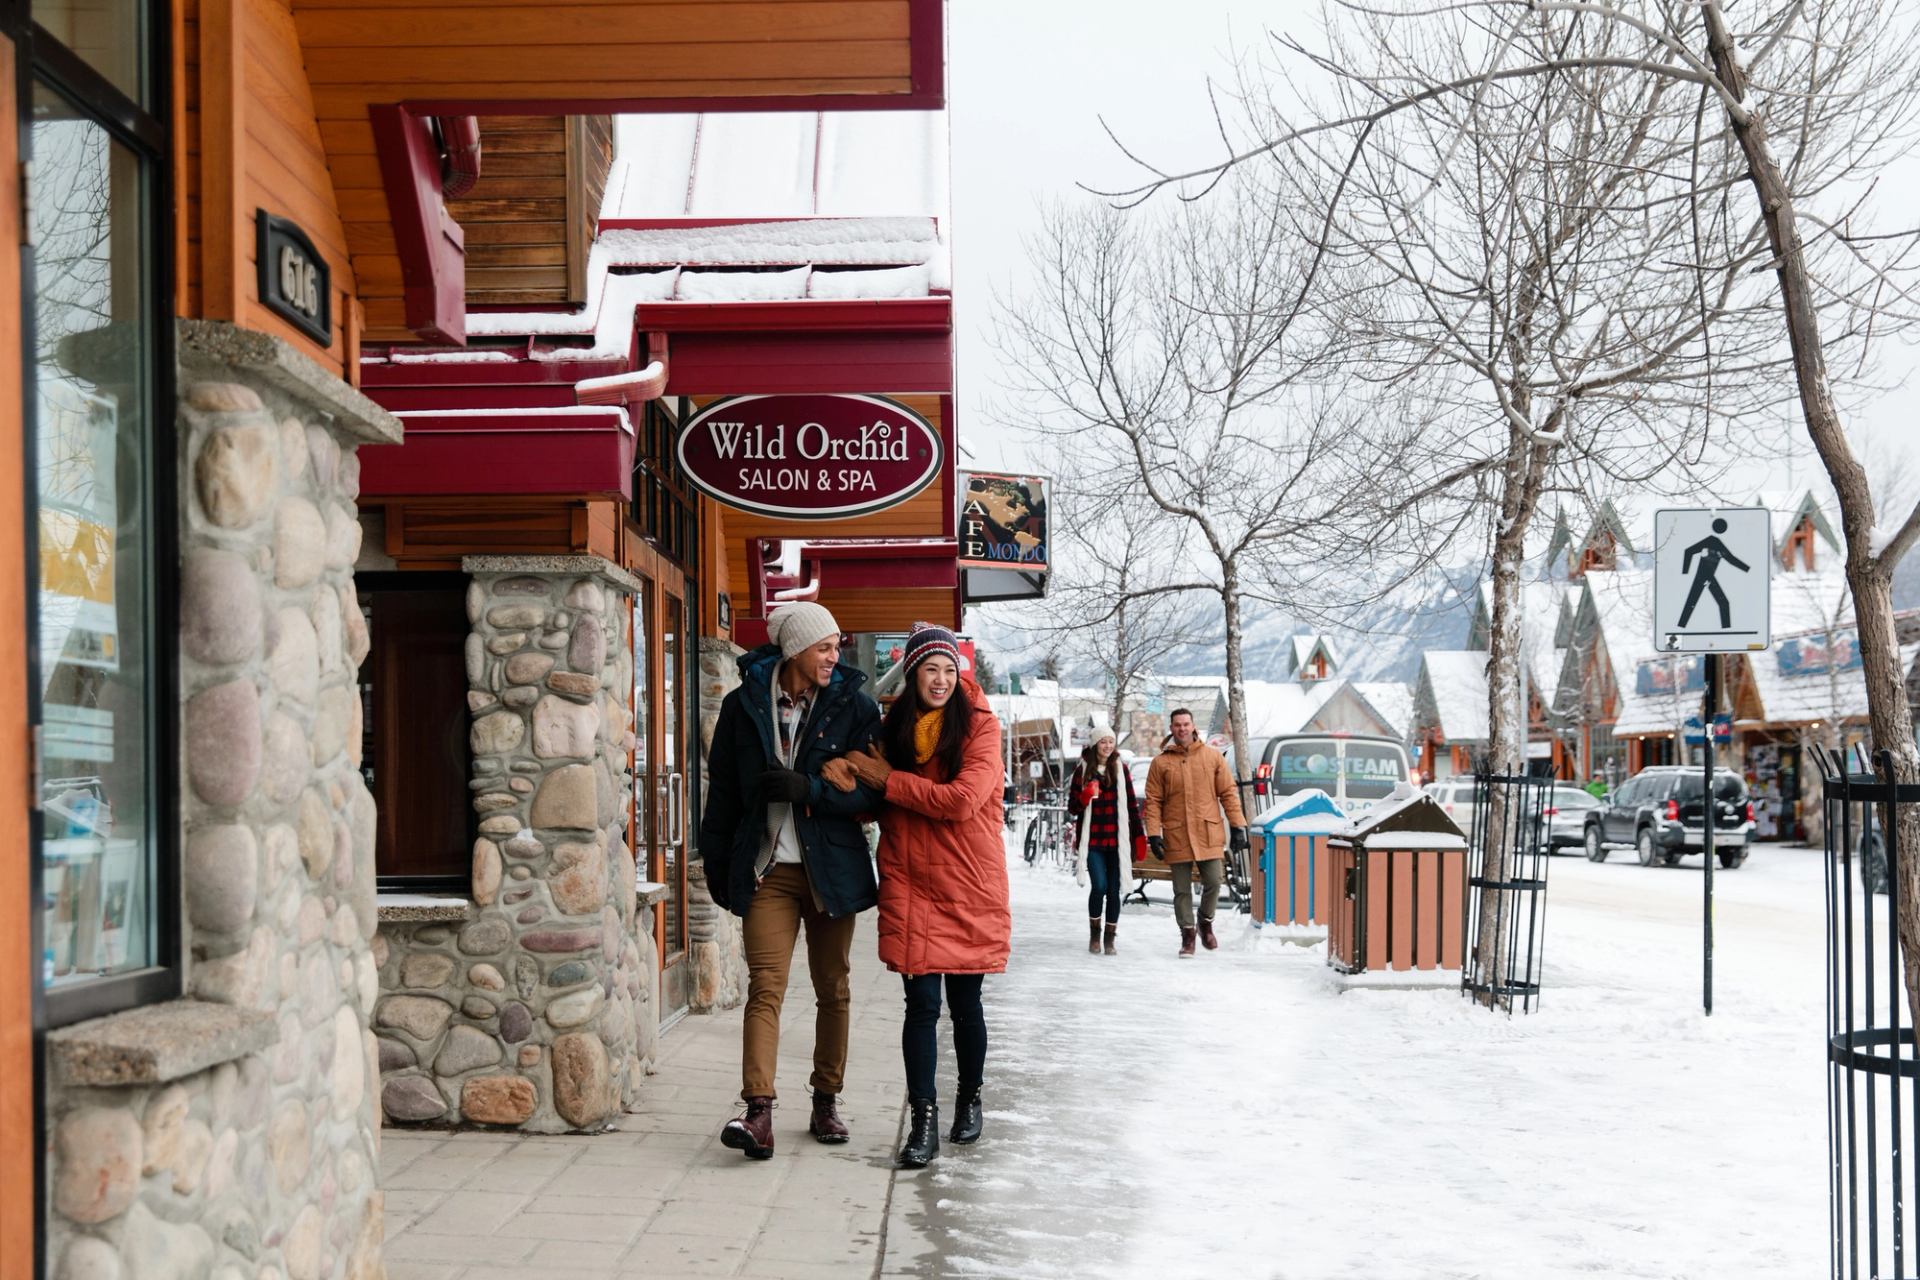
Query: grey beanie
(796,628)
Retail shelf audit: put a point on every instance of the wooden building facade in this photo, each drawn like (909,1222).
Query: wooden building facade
(222,207)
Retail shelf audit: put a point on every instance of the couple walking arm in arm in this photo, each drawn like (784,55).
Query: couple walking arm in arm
(786,846)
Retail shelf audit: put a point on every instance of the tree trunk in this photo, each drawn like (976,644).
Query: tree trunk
(1890,721)
(1506,702)
(1236,677)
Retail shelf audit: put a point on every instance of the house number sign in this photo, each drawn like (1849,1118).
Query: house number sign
(295,281)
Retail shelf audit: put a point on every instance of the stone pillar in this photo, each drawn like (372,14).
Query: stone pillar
(186,1141)
(715,949)
(528,1012)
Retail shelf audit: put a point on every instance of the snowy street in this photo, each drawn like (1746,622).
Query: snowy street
(1242,1113)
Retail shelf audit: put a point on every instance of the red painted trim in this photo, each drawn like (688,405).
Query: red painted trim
(460,454)
(431,245)
(927,315)
(813,363)
(927,37)
(519,373)
(915,101)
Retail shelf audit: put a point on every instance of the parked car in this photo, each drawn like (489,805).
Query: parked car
(1562,822)
(1660,814)
(1565,816)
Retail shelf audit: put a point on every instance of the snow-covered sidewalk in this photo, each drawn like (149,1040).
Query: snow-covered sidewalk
(1241,1113)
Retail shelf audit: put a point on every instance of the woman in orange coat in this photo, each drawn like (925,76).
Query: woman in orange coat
(944,918)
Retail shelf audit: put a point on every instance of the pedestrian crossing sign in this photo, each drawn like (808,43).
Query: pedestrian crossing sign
(1712,579)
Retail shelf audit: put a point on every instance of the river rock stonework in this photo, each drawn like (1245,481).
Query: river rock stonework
(235,1133)
(716,951)
(535,1008)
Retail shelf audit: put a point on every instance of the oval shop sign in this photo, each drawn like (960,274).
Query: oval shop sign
(810,457)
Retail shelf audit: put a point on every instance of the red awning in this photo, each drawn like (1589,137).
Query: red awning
(586,450)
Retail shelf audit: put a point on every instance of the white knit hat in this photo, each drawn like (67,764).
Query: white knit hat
(796,628)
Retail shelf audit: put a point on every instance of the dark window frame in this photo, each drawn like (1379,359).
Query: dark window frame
(41,60)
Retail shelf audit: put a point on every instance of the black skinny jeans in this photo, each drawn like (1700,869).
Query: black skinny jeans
(1103,874)
(919,1034)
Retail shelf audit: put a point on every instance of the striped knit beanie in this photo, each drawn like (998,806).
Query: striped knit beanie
(925,641)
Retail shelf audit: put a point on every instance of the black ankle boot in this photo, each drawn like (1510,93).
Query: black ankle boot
(966,1117)
(923,1140)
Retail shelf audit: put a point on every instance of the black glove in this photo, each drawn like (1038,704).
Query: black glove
(1158,845)
(1238,840)
(785,786)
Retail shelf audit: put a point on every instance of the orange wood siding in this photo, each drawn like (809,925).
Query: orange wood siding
(437,533)
(249,140)
(364,52)
(17,972)
(530,219)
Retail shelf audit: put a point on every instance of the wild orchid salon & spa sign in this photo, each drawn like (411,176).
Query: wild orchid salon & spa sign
(810,457)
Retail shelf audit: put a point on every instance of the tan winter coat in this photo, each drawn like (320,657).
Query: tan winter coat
(1186,791)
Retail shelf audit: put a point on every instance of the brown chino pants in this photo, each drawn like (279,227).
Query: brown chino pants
(1212,875)
(782,904)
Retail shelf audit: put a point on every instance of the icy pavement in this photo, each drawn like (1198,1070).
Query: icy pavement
(1240,1113)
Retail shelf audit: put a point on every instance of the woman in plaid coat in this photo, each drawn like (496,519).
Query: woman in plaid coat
(1101,802)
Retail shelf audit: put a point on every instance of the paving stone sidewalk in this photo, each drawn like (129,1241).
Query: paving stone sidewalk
(660,1197)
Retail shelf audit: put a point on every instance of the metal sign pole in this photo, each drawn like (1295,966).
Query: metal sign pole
(1712,710)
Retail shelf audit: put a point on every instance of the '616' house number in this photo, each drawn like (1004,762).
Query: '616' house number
(295,282)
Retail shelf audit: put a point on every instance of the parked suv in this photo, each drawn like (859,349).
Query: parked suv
(1659,814)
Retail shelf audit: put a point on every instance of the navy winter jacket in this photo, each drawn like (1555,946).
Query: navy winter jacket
(833,848)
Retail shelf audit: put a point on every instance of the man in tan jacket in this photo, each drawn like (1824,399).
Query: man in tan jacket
(1189,789)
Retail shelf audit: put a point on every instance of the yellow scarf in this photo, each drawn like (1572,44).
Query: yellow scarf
(926,734)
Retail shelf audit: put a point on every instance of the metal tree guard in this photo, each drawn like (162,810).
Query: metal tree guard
(1513,906)
(1873,1074)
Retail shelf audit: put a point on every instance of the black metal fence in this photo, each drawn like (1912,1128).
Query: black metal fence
(1873,1071)
(1505,920)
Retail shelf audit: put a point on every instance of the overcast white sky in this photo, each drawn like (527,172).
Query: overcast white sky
(1029,81)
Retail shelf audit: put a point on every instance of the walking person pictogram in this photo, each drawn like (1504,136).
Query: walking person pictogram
(1712,552)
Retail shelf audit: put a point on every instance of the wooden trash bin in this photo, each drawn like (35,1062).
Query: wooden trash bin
(1399,877)
(1292,881)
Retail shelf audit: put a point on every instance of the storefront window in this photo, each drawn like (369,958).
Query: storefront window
(94,469)
(108,35)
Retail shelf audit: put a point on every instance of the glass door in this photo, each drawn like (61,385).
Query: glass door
(671,810)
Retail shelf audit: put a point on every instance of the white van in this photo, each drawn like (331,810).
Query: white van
(1357,772)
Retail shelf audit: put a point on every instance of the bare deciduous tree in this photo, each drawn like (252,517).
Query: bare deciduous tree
(1155,350)
(1752,130)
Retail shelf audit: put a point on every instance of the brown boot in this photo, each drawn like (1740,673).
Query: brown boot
(1111,930)
(751,1133)
(1207,939)
(826,1124)
(1093,936)
(1186,943)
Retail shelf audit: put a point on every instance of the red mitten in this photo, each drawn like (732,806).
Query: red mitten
(1139,848)
(1088,793)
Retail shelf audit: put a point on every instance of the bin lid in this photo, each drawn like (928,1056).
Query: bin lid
(1309,812)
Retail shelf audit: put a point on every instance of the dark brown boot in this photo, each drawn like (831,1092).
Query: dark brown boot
(1111,930)
(1093,936)
(1207,939)
(826,1124)
(751,1133)
(1186,943)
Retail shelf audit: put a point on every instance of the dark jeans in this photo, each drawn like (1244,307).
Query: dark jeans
(919,1038)
(1103,874)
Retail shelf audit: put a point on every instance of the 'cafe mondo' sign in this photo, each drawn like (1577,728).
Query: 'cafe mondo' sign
(809,457)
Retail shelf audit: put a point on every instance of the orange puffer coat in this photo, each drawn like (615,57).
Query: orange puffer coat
(943,866)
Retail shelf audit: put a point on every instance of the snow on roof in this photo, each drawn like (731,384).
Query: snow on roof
(1391,700)
(1623,605)
(1445,834)
(1276,708)
(1308,811)
(1456,680)
(760,164)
